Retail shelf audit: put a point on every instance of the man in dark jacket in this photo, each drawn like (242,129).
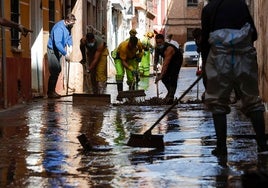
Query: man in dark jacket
(172,61)
(228,33)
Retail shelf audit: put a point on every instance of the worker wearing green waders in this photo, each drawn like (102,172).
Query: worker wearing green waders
(144,66)
(127,57)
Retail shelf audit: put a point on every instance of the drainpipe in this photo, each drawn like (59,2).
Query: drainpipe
(4,72)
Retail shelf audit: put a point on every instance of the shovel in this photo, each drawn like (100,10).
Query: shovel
(147,140)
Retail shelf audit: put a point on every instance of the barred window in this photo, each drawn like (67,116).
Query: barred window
(15,36)
(192,3)
(51,17)
(190,34)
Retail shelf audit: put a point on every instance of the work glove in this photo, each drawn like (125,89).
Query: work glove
(198,72)
(135,72)
(69,49)
(83,61)
(67,57)
(138,59)
(158,77)
(155,68)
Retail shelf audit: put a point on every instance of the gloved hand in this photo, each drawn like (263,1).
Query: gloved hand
(158,77)
(135,72)
(138,59)
(67,57)
(83,61)
(69,49)
(155,68)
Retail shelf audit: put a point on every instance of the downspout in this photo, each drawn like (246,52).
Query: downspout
(4,72)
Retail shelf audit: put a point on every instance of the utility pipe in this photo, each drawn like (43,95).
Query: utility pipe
(4,68)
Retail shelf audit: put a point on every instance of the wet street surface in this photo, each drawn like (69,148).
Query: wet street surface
(39,145)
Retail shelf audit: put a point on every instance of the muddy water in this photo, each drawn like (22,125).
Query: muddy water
(39,145)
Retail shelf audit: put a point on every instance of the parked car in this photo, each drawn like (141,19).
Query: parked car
(190,54)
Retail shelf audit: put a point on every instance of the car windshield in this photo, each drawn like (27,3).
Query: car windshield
(191,47)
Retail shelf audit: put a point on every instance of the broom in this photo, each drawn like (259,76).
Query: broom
(147,140)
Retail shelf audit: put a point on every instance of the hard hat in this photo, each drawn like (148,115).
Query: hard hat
(150,34)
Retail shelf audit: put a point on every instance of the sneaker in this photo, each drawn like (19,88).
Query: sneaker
(219,151)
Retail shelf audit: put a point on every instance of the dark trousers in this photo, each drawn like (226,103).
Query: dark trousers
(54,67)
(170,81)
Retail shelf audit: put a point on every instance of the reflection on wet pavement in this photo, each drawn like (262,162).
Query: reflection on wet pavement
(39,146)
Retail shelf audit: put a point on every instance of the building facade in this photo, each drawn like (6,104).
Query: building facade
(15,53)
(23,62)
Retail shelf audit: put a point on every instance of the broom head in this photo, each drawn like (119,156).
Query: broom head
(146,141)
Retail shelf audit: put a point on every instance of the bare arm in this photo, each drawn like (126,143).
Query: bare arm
(168,56)
(83,49)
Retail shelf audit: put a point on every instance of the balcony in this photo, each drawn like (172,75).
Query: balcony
(118,4)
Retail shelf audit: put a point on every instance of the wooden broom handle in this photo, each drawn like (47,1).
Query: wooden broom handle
(174,104)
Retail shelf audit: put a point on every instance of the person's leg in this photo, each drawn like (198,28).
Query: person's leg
(170,83)
(101,73)
(257,119)
(132,78)
(54,70)
(119,74)
(166,83)
(220,125)
(252,105)
(146,63)
(94,83)
(173,85)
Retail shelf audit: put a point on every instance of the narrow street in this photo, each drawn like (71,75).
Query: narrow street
(39,145)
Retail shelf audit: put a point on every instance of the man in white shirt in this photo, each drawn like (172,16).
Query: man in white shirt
(171,41)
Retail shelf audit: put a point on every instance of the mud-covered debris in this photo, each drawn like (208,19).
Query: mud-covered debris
(155,101)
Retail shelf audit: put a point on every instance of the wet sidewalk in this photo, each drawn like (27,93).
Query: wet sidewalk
(39,145)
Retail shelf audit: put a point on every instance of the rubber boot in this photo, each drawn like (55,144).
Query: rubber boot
(119,87)
(257,120)
(220,125)
(51,93)
(131,87)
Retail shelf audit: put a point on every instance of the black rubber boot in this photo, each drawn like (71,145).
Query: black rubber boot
(132,87)
(257,120)
(51,93)
(220,125)
(119,87)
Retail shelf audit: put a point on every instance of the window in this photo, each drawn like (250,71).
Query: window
(192,3)
(191,48)
(15,40)
(51,13)
(190,34)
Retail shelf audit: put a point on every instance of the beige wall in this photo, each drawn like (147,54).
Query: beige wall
(180,17)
